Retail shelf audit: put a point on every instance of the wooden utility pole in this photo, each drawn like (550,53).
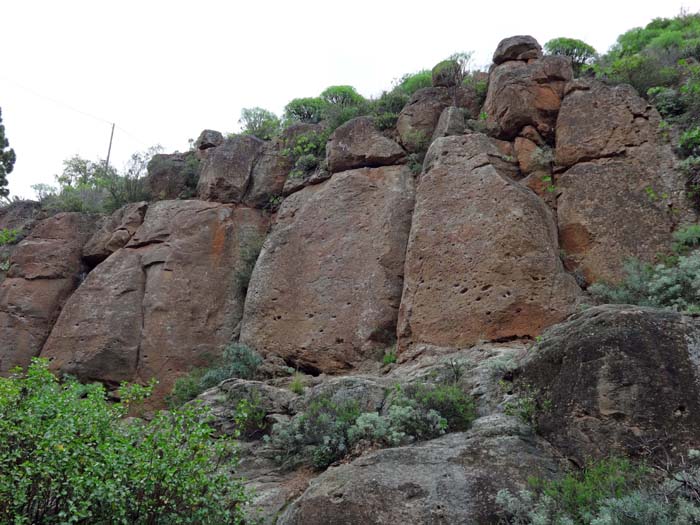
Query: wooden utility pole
(109,151)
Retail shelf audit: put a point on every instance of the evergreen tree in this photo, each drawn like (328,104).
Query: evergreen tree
(7,160)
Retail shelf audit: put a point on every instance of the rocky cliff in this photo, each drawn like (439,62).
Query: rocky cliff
(477,264)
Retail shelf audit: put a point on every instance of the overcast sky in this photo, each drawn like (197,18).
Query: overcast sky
(165,70)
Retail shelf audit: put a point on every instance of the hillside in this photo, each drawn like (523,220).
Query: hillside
(425,304)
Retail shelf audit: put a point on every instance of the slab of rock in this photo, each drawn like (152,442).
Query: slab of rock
(164,304)
(620,380)
(452,479)
(44,270)
(326,288)
(419,118)
(116,231)
(520,47)
(452,122)
(526,94)
(358,144)
(227,170)
(621,197)
(172,176)
(21,217)
(483,260)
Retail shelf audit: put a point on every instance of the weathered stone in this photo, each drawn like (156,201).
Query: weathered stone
(520,47)
(44,270)
(482,261)
(452,122)
(164,304)
(172,176)
(19,216)
(367,392)
(619,380)
(446,73)
(208,139)
(114,233)
(326,288)
(525,151)
(418,119)
(358,144)
(227,170)
(522,94)
(452,479)
(622,197)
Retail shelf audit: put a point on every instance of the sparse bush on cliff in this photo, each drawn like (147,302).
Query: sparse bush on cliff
(674,284)
(609,492)
(67,455)
(237,361)
(327,431)
(8,236)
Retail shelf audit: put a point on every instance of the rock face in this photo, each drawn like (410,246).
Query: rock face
(21,217)
(520,47)
(327,285)
(164,304)
(620,379)
(482,261)
(114,233)
(172,176)
(207,139)
(44,269)
(526,94)
(620,196)
(358,144)
(451,122)
(227,169)
(452,479)
(419,118)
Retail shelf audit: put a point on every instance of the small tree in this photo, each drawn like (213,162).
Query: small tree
(342,96)
(308,110)
(7,160)
(259,122)
(579,52)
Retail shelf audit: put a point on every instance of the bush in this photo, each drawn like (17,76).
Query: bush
(689,142)
(667,100)
(309,110)
(580,53)
(450,401)
(306,151)
(259,122)
(237,361)
(412,82)
(68,456)
(342,96)
(8,236)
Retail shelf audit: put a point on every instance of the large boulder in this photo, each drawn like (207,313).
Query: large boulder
(519,47)
(327,285)
(358,144)
(483,259)
(620,196)
(165,303)
(618,380)
(452,122)
(44,270)
(172,176)
(207,139)
(227,169)
(116,231)
(526,94)
(452,479)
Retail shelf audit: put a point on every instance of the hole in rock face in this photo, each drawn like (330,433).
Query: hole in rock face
(304,368)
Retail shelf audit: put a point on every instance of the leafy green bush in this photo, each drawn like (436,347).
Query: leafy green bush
(667,100)
(259,122)
(389,356)
(68,456)
(308,110)
(580,53)
(412,82)
(450,401)
(8,236)
(237,361)
(342,96)
(306,151)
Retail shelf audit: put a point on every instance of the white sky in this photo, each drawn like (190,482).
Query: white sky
(165,70)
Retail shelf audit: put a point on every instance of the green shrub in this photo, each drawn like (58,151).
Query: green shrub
(237,361)
(297,384)
(306,152)
(689,142)
(342,96)
(675,286)
(308,110)
(580,53)
(259,122)
(449,402)
(668,101)
(68,456)
(8,236)
(389,356)
(412,82)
